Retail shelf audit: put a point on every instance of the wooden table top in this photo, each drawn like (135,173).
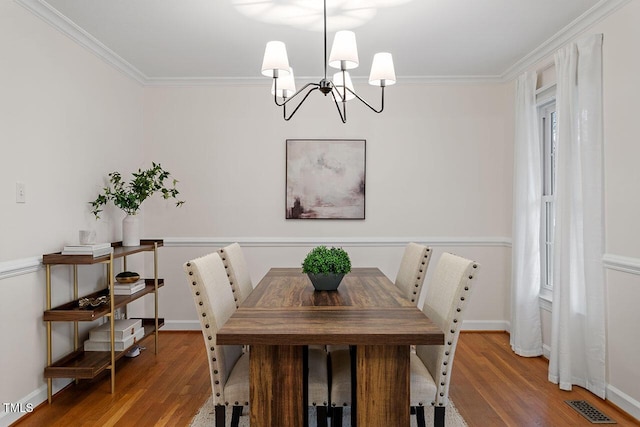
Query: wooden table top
(367,309)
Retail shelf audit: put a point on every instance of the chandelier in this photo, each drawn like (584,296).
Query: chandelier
(344,56)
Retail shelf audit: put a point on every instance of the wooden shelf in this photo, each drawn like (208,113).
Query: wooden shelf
(71,311)
(88,364)
(119,251)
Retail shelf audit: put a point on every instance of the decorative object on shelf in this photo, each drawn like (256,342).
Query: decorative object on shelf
(87,237)
(93,302)
(325,179)
(129,196)
(127,277)
(130,230)
(344,56)
(326,267)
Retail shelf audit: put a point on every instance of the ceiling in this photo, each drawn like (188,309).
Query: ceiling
(160,41)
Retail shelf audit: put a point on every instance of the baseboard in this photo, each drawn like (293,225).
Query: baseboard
(181,325)
(623,401)
(485,325)
(28,403)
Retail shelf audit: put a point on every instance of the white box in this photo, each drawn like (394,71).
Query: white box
(90,345)
(123,329)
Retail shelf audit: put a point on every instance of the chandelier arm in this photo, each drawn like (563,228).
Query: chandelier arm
(284,109)
(343,117)
(367,104)
(275,97)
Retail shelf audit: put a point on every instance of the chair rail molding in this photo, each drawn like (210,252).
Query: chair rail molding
(621,263)
(20,266)
(343,241)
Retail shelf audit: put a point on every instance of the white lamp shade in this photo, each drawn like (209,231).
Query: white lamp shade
(338,89)
(344,48)
(275,58)
(382,69)
(286,85)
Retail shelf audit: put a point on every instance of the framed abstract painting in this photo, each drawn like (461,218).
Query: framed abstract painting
(325,179)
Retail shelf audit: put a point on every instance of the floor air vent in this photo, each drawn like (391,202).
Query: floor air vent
(585,409)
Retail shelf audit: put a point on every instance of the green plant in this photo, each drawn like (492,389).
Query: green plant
(322,260)
(129,196)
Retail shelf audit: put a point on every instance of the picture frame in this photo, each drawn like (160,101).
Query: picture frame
(325,179)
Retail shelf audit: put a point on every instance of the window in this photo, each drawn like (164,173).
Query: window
(548,135)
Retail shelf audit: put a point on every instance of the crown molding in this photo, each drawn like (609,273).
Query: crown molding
(50,15)
(585,21)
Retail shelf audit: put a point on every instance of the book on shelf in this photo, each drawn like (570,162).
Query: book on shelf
(96,250)
(118,285)
(119,345)
(129,289)
(123,328)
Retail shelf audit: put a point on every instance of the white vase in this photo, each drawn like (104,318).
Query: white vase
(130,231)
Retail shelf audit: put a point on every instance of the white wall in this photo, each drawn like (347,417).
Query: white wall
(438,170)
(66,120)
(621,64)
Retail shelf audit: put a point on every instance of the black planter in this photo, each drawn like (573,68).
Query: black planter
(325,282)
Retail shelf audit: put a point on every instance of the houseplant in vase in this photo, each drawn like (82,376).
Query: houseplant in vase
(128,196)
(326,267)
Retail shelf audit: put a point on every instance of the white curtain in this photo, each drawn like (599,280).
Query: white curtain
(526,335)
(578,318)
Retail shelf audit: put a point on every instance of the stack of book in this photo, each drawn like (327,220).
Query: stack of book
(128,288)
(97,250)
(126,333)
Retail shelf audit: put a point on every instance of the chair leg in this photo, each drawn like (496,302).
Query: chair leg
(220,415)
(321,414)
(336,416)
(438,416)
(419,411)
(235,416)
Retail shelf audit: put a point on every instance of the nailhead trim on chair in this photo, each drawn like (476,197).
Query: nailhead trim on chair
(223,256)
(443,384)
(209,337)
(419,274)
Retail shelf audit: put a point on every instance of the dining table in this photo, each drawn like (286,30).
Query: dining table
(284,315)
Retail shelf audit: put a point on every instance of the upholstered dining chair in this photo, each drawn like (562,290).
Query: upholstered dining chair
(237,271)
(431,365)
(410,277)
(228,364)
(413,268)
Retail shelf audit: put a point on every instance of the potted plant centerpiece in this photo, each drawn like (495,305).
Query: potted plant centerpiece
(326,267)
(128,196)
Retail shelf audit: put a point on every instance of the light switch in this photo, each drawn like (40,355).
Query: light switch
(21,193)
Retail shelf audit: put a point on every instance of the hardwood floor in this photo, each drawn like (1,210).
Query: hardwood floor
(490,387)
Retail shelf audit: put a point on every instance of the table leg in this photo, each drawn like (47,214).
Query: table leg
(382,390)
(276,386)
